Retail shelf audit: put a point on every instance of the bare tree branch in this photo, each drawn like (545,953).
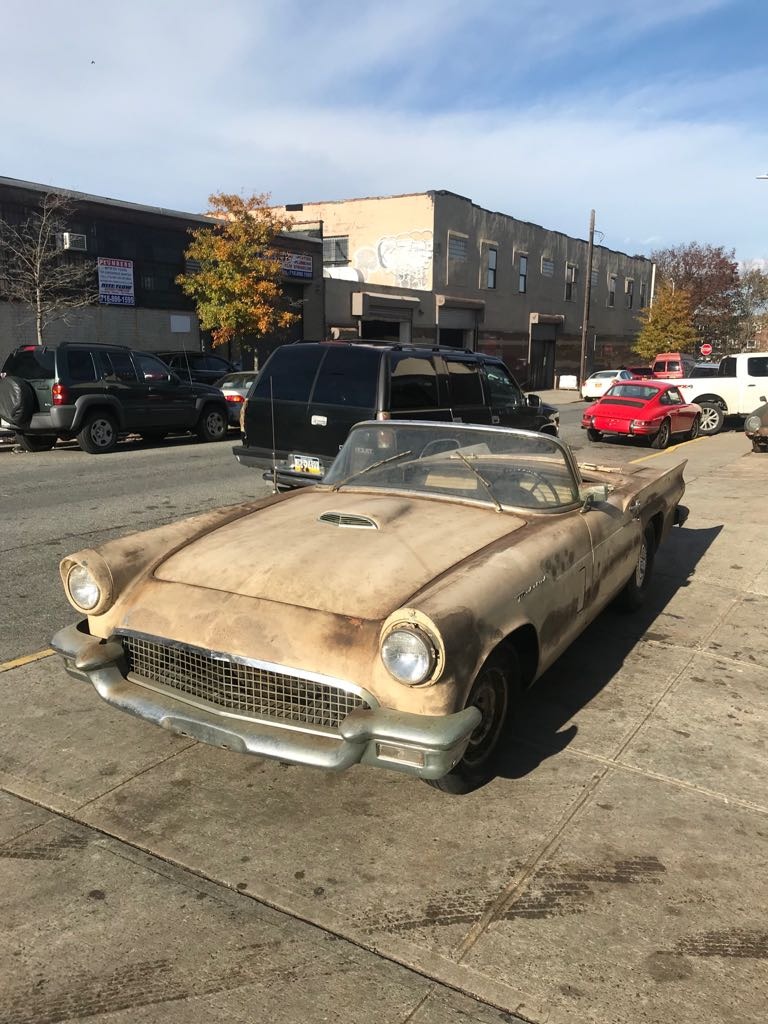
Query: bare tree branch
(36,271)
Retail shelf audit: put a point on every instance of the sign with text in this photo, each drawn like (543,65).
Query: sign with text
(116,282)
(706,349)
(297,264)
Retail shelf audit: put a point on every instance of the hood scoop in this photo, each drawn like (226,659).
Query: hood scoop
(348,520)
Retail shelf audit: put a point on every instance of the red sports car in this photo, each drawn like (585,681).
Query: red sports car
(642,409)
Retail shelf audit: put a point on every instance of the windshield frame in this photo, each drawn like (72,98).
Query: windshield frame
(351,484)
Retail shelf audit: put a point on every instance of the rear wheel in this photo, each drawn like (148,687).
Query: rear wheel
(633,594)
(497,684)
(212,425)
(36,442)
(594,435)
(662,439)
(98,434)
(712,419)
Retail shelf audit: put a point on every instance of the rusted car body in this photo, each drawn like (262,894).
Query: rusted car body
(389,615)
(756,428)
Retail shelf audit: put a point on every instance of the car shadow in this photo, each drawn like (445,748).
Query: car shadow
(539,728)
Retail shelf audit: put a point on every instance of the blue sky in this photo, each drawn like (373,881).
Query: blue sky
(654,114)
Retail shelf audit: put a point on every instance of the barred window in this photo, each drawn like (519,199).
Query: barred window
(570,282)
(547,267)
(457,248)
(335,250)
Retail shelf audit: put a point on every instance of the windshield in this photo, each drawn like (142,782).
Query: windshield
(492,466)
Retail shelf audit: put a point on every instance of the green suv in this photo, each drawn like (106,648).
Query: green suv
(94,393)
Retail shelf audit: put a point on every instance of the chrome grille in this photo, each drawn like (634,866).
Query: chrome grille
(247,689)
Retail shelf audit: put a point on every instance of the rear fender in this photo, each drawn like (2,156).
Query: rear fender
(90,403)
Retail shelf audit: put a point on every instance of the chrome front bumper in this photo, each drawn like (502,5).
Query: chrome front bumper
(426,746)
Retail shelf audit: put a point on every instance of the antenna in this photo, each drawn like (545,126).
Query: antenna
(274,457)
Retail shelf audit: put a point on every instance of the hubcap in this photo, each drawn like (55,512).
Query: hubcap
(102,433)
(642,564)
(214,423)
(489,698)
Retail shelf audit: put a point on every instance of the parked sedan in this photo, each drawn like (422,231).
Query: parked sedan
(645,409)
(235,387)
(391,615)
(598,383)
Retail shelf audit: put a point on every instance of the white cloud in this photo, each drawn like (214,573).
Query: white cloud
(183,100)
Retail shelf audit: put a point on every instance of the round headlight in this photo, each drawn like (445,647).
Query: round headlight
(83,588)
(408,655)
(752,423)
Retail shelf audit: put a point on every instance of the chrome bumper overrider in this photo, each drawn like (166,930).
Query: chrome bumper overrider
(436,742)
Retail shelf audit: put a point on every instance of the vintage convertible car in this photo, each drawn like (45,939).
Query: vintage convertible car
(390,615)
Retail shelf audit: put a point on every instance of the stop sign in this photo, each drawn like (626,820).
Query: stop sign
(706,349)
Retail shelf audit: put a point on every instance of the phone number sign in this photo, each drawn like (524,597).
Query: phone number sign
(116,282)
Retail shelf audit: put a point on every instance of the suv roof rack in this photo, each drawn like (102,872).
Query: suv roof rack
(93,344)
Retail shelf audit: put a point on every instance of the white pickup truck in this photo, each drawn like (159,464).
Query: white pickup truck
(737,390)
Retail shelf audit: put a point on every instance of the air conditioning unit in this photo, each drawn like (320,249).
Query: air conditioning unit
(77,242)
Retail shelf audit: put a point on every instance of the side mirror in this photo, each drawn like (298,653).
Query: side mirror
(533,401)
(593,495)
(763,398)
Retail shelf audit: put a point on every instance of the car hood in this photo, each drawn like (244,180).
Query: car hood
(284,553)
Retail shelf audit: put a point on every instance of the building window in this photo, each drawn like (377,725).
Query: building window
(594,279)
(643,296)
(570,282)
(629,292)
(522,281)
(490,272)
(612,290)
(336,250)
(457,248)
(547,266)
(458,251)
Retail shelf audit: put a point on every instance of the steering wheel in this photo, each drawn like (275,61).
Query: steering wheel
(540,481)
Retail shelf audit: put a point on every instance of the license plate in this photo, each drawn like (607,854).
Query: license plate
(306,464)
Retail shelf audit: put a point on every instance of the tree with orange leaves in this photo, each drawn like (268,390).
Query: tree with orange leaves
(236,283)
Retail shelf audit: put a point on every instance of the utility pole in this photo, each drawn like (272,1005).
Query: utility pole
(587,296)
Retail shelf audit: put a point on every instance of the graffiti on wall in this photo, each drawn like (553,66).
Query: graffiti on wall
(406,258)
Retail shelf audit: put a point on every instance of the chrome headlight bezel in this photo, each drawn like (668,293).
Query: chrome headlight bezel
(753,423)
(423,645)
(96,569)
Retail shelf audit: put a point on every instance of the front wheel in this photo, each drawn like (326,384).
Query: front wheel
(36,442)
(498,682)
(693,433)
(594,435)
(712,419)
(212,425)
(98,434)
(633,594)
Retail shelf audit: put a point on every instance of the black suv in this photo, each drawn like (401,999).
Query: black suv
(96,392)
(308,396)
(200,367)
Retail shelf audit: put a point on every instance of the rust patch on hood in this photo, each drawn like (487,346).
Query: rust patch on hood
(288,556)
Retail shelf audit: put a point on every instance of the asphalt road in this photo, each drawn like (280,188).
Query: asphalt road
(58,502)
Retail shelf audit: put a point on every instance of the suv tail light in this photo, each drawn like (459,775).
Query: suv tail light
(59,395)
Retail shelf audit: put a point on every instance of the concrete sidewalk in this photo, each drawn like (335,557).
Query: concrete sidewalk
(616,871)
(558,396)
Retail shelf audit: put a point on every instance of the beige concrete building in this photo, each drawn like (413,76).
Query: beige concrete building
(435,268)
